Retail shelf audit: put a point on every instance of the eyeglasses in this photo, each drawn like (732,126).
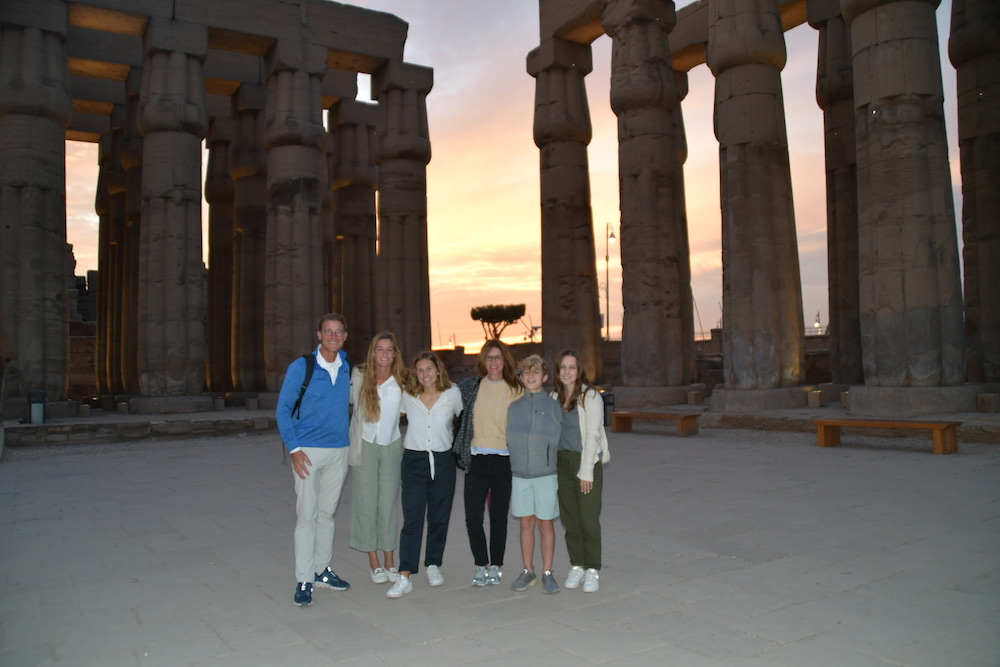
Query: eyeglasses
(494,359)
(339,333)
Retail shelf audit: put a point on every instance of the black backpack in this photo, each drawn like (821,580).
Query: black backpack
(310,365)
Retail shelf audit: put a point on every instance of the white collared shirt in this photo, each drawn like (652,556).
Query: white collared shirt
(386,430)
(430,430)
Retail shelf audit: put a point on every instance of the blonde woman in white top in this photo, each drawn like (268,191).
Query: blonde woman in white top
(376,450)
(428,469)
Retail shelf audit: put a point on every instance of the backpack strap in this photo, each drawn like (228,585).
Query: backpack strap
(310,365)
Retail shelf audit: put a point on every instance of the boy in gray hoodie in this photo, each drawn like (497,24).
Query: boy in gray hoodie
(534,422)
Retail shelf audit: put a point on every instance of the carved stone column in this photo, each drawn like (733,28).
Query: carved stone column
(34,113)
(835,96)
(910,294)
(658,328)
(110,259)
(295,284)
(127,295)
(403,150)
(172,120)
(248,162)
(219,314)
(571,315)
(974,49)
(353,176)
(763,346)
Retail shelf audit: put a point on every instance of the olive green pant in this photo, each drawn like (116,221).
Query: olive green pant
(580,512)
(374,489)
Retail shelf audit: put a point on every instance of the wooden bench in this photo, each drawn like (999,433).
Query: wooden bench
(945,433)
(687,424)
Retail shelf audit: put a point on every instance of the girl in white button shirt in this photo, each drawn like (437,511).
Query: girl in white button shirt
(427,472)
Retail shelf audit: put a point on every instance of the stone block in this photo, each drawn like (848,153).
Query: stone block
(696,397)
(754,400)
(219,403)
(904,402)
(814,398)
(988,402)
(84,410)
(253,404)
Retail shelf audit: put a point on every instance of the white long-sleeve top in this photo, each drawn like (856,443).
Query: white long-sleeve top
(430,430)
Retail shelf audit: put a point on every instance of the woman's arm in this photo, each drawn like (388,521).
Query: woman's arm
(591,433)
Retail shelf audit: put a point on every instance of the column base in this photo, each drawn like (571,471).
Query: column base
(753,400)
(651,398)
(905,402)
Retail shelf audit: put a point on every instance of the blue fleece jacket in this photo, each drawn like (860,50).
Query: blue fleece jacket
(323,419)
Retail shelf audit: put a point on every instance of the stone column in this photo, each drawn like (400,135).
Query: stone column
(110,260)
(835,96)
(403,151)
(172,120)
(127,296)
(974,49)
(295,292)
(353,176)
(658,328)
(910,294)
(219,314)
(571,314)
(763,345)
(102,207)
(248,162)
(34,112)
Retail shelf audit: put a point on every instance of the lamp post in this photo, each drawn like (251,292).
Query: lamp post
(609,236)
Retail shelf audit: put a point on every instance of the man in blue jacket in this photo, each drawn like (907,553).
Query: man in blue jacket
(316,435)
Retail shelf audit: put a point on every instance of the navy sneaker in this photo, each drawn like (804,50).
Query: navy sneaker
(303,594)
(329,579)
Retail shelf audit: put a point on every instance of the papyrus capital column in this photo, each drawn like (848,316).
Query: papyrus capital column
(835,96)
(910,292)
(353,177)
(172,120)
(403,150)
(974,48)
(658,327)
(248,165)
(219,195)
(295,290)
(571,315)
(763,346)
(34,112)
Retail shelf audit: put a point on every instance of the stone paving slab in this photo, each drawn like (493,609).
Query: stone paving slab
(732,547)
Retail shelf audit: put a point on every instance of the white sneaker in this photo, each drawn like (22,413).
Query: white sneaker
(379,576)
(574,577)
(479,579)
(400,588)
(493,575)
(434,577)
(591,581)
(393,574)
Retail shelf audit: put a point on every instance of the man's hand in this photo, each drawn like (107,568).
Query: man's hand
(301,464)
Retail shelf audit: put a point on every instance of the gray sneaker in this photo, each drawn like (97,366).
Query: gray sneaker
(493,575)
(549,584)
(524,580)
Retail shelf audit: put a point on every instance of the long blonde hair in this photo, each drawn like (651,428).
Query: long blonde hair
(369,384)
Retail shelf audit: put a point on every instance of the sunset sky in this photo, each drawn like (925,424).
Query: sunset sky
(483,179)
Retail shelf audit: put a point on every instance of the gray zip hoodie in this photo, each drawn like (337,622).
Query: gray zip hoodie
(533,425)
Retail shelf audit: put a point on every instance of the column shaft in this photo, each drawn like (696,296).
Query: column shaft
(910,291)
(763,345)
(571,315)
(34,113)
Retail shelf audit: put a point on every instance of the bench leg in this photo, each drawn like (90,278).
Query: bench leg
(827,436)
(620,423)
(687,426)
(945,440)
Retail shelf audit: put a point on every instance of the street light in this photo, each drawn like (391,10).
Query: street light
(609,236)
